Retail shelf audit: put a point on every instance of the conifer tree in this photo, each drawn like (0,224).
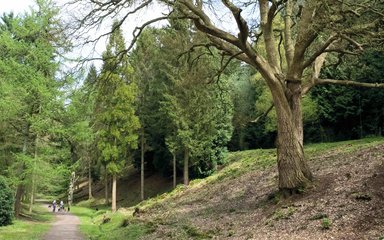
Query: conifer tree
(116,122)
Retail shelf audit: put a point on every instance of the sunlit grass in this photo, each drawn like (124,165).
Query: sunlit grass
(312,150)
(242,162)
(35,225)
(118,226)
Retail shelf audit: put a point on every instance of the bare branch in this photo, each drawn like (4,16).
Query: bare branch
(319,81)
(354,42)
(279,48)
(143,5)
(343,51)
(288,44)
(241,23)
(305,37)
(266,15)
(320,51)
(225,65)
(263,115)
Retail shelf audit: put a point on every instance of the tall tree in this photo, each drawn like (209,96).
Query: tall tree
(28,65)
(312,31)
(116,122)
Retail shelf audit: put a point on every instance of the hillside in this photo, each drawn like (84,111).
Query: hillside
(241,201)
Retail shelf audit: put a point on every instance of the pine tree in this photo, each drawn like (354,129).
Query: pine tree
(116,122)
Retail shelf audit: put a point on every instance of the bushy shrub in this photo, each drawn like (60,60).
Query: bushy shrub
(6,203)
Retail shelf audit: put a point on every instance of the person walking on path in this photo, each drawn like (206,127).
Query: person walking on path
(61,205)
(54,205)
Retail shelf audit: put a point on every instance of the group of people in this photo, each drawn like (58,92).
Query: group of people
(54,205)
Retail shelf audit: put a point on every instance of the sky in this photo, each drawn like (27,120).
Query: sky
(21,6)
(17,6)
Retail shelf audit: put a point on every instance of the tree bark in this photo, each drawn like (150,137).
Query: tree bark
(114,193)
(32,199)
(89,178)
(19,194)
(174,169)
(142,166)
(242,139)
(186,166)
(20,187)
(106,186)
(71,189)
(293,169)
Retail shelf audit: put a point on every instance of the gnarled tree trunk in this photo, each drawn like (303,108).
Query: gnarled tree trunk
(293,169)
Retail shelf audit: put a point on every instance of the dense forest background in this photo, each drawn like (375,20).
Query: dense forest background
(166,106)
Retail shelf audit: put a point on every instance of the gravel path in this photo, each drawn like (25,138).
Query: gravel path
(65,227)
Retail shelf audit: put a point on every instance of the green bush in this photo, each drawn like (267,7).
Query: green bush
(6,203)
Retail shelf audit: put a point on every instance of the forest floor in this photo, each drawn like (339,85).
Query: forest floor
(241,201)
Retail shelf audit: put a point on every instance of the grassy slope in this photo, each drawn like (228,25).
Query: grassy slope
(225,204)
(31,227)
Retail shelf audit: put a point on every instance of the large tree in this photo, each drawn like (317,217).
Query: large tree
(31,44)
(295,51)
(116,123)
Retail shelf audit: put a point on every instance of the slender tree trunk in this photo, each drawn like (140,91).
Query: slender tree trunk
(186,166)
(174,169)
(33,176)
(142,165)
(114,193)
(241,139)
(89,178)
(106,187)
(71,189)
(19,194)
(20,187)
(32,199)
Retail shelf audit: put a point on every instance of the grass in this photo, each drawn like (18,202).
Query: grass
(123,226)
(312,150)
(37,224)
(119,226)
(242,162)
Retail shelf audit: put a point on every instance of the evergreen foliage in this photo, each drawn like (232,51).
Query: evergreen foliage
(6,202)
(115,120)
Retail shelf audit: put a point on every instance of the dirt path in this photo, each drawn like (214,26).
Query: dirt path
(65,227)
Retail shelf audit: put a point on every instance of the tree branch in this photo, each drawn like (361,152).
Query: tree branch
(241,23)
(305,36)
(319,81)
(319,51)
(263,115)
(267,15)
(288,43)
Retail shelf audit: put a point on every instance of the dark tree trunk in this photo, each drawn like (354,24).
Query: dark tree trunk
(174,169)
(142,166)
(19,195)
(186,166)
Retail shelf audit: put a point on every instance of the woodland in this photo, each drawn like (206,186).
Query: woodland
(174,100)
